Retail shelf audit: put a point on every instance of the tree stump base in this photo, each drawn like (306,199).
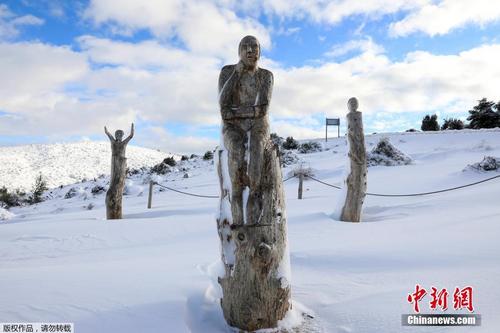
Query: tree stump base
(309,325)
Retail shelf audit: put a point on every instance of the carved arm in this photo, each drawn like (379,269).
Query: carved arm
(131,134)
(108,134)
(244,112)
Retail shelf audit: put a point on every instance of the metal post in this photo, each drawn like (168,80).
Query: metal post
(150,197)
(301,180)
(326,130)
(338,128)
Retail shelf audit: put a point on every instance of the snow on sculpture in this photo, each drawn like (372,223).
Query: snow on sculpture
(118,173)
(251,221)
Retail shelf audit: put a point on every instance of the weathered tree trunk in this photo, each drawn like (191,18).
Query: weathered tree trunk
(356,180)
(252,220)
(118,173)
(115,192)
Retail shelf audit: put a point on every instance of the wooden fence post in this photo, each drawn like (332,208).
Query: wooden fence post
(301,180)
(150,197)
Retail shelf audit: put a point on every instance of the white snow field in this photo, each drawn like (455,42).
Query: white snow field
(152,271)
(65,163)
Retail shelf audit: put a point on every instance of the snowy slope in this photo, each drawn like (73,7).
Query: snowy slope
(65,163)
(151,271)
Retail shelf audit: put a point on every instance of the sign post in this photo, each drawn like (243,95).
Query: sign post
(332,122)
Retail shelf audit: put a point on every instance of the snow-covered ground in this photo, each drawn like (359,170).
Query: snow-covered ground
(65,163)
(150,272)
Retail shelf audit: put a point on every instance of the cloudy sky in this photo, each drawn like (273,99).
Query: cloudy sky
(67,68)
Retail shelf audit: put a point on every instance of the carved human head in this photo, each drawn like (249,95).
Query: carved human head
(119,135)
(352,104)
(249,51)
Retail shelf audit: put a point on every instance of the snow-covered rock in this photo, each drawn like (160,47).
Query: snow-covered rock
(489,163)
(5,214)
(288,157)
(386,154)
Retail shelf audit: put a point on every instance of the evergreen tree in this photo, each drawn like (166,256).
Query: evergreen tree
(429,123)
(483,115)
(38,189)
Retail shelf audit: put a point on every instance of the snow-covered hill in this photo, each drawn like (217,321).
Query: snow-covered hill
(153,271)
(65,163)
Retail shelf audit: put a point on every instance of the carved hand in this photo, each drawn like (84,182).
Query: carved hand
(108,134)
(239,68)
(131,134)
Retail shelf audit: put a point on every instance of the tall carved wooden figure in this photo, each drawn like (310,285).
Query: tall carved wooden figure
(356,179)
(118,173)
(252,220)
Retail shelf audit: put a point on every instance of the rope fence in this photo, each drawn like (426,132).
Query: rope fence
(187,193)
(301,177)
(411,194)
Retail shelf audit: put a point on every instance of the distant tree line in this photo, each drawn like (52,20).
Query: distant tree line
(486,114)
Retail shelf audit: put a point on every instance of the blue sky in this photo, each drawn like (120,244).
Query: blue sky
(71,67)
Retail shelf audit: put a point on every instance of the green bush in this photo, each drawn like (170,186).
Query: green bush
(452,124)
(290,143)
(309,147)
(208,155)
(170,161)
(10,199)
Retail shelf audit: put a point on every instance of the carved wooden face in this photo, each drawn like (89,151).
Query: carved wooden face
(249,51)
(119,135)
(352,104)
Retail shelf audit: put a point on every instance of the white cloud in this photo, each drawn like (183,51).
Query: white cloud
(320,11)
(363,45)
(11,23)
(432,17)
(212,25)
(158,15)
(145,54)
(336,11)
(422,82)
(442,17)
(26,20)
(299,130)
(34,74)
(43,91)
(160,138)
(160,82)
(202,26)
(48,89)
